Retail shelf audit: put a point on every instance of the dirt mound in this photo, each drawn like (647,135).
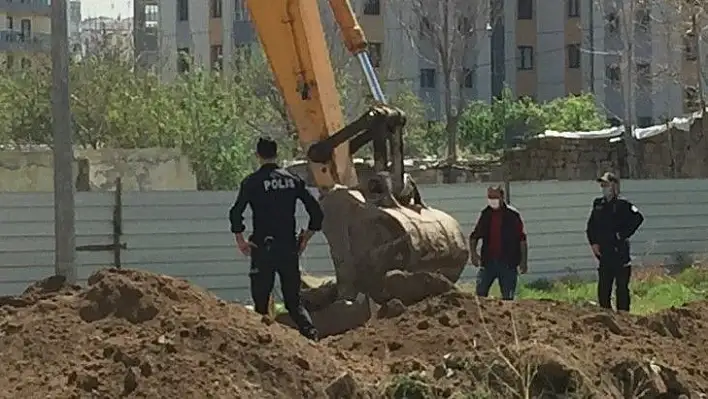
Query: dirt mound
(459,343)
(135,334)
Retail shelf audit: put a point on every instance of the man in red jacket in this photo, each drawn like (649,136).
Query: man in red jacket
(504,249)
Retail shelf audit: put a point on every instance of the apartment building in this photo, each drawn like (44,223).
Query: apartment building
(25,28)
(540,49)
(74,27)
(208,31)
(211,32)
(582,47)
(98,34)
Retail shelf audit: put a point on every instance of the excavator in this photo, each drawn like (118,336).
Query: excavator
(376,229)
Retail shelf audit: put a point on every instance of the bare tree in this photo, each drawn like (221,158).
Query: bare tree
(650,46)
(448,34)
(624,18)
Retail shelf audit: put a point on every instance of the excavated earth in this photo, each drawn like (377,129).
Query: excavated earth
(135,334)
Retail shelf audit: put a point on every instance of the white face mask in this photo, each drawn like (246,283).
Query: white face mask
(493,202)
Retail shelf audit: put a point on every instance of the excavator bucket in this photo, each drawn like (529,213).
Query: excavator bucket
(384,241)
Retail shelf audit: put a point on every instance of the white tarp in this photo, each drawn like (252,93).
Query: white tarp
(681,123)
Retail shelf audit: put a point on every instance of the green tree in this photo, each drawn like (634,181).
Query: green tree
(421,138)
(573,113)
(113,106)
(483,127)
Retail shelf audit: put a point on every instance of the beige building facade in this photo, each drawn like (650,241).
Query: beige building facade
(540,49)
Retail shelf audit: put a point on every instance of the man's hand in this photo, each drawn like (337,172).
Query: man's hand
(303,239)
(474,259)
(596,250)
(243,245)
(524,267)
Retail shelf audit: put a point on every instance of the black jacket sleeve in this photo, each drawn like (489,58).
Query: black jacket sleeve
(312,207)
(236,213)
(633,219)
(478,232)
(592,228)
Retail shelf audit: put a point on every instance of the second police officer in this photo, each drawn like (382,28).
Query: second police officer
(613,220)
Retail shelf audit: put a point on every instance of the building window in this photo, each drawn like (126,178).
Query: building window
(573,56)
(240,11)
(645,121)
(9,61)
(573,8)
(151,15)
(613,74)
(427,78)
(10,23)
(216,8)
(425,28)
(372,7)
(182,10)
(464,25)
(643,72)
(183,60)
(643,18)
(216,57)
(524,58)
(26,29)
(524,9)
(376,54)
(612,22)
(690,98)
(689,47)
(467,78)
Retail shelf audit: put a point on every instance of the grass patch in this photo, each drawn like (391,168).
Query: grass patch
(649,295)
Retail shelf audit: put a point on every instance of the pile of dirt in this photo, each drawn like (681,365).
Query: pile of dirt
(135,334)
(458,343)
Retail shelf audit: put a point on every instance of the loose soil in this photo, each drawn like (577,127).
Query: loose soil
(135,334)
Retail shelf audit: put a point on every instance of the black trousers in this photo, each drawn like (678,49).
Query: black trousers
(619,276)
(282,258)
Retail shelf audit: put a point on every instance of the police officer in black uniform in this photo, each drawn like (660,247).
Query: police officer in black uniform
(272,193)
(612,222)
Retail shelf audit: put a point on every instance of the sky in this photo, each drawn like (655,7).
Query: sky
(106,8)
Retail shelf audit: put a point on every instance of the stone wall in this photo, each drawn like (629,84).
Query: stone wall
(674,154)
(96,170)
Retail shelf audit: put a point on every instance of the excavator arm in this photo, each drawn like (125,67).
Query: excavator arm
(292,35)
(374,227)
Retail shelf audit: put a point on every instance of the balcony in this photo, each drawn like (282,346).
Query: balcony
(29,7)
(11,41)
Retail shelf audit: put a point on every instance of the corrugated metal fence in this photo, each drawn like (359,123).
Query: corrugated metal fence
(185,234)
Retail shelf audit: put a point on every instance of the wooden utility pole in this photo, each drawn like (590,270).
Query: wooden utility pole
(64,190)
(699,59)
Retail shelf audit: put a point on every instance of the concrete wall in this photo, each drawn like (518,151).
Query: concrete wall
(186,234)
(97,170)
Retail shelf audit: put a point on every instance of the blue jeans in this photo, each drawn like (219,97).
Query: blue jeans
(495,270)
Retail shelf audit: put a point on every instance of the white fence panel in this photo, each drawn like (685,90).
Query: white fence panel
(186,234)
(27,237)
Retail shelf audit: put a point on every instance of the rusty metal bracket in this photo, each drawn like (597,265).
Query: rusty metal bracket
(101,247)
(116,246)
